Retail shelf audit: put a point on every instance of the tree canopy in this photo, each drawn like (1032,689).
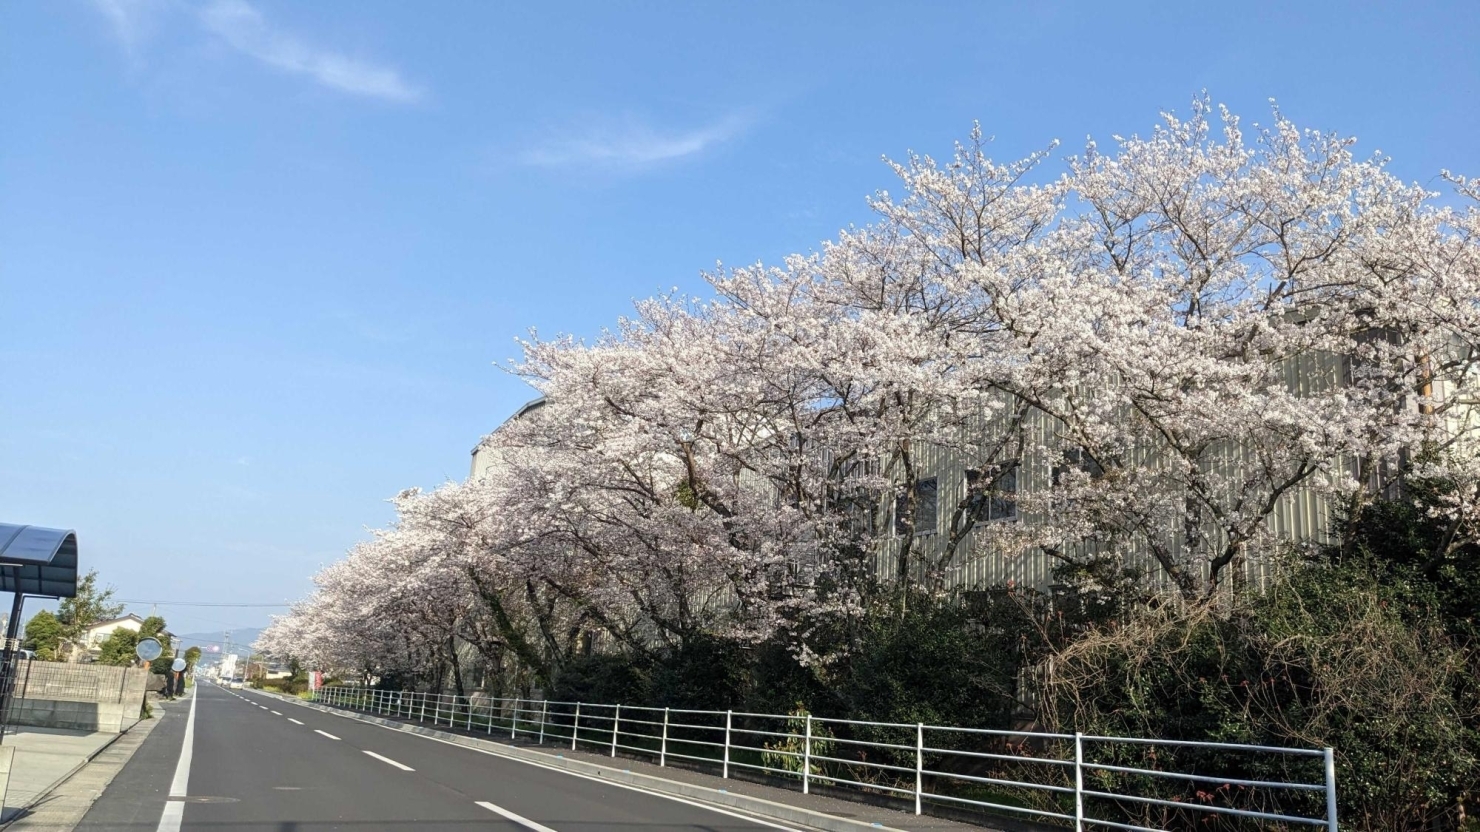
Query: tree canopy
(1121,338)
(44,635)
(91,605)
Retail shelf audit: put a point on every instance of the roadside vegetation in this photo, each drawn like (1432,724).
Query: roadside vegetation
(1132,367)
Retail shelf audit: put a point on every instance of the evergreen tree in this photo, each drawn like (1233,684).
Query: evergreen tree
(44,635)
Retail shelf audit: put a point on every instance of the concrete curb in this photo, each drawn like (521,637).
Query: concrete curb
(753,805)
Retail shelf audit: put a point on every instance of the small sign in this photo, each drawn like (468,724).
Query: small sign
(177,665)
(148,649)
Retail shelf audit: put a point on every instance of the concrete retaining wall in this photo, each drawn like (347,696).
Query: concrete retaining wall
(79,697)
(107,717)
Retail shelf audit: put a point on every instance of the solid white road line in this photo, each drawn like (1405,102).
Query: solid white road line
(174,810)
(325,733)
(522,821)
(389,761)
(294,721)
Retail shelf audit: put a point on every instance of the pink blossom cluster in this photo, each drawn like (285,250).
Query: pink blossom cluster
(1164,343)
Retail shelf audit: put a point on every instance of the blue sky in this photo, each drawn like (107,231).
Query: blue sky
(259,261)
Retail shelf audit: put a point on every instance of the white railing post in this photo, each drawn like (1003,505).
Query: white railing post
(514,728)
(919,763)
(1078,782)
(575,732)
(544,704)
(423,716)
(663,749)
(470,714)
(1329,757)
(807,758)
(616,726)
(729,715)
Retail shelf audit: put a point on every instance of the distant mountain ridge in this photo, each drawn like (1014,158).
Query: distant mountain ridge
(241,641)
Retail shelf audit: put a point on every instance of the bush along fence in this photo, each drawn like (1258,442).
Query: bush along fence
(1091,782)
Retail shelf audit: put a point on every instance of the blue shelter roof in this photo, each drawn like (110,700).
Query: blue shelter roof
(37,561)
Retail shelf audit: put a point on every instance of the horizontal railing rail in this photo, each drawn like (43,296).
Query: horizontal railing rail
(1093,782)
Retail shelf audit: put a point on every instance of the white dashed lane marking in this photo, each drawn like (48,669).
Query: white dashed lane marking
(389,761)
(325,733)
(522,821)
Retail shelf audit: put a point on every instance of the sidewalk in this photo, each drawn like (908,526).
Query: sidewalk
(61,773)
(45,757)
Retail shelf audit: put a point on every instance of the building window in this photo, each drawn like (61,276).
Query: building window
(996,503)
(1004,496)
(1077,459)
(927,510)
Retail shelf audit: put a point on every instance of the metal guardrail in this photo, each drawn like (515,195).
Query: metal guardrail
(1076,778)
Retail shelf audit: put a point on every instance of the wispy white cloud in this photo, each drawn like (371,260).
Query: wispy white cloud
(133,21)
(239,25)
(631,143)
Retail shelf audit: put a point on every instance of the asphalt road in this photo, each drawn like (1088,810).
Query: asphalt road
(259,764)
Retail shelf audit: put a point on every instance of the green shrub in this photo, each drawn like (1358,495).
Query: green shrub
(1323,659)
(790,753)
(606,678)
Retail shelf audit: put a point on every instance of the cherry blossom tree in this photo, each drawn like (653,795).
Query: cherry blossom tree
(1165,344)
